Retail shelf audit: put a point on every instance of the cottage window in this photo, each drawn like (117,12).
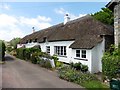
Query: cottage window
(30,40)
(27,41)
(48,49)
(83,53)
(35,40)
(77,53)
(60,50)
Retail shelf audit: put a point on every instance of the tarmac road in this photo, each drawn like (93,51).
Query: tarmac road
(21,74)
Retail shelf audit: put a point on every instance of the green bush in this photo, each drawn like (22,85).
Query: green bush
(26,53)
(84,79)
(75,76)
(44,63)
(2,50)
(48,64)
(111,62)
(59,64)
(20,53)
(34,57)
(84,68)
(33,54)
(79,66)
(55,59)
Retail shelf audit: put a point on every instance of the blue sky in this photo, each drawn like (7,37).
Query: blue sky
(18,18)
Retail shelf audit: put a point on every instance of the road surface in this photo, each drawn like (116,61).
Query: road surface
(21,74)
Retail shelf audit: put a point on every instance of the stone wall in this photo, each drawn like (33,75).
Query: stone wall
(117,24)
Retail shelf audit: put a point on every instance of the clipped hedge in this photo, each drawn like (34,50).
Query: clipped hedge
(28,53)
(2,50)
(33,54)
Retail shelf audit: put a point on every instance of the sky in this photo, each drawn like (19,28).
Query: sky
(18,17)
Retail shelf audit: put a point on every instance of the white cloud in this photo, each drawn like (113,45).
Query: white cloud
(12,26)
(5,6)
(62,11)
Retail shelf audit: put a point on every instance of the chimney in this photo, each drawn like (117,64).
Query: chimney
(66,18)
(33,29)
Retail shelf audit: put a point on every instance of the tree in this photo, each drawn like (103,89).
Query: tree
(105,15)
(14,42)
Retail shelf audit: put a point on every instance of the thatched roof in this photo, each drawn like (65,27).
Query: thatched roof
(86,31)
(112,3)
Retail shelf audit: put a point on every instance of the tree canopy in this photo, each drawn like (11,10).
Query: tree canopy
(105,15)
(14,42)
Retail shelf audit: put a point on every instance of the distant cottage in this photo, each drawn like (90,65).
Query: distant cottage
(114,5)
(81,40)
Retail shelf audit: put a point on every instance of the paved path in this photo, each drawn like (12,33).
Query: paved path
(22,74)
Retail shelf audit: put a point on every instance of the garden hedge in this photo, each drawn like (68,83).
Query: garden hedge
(111,63)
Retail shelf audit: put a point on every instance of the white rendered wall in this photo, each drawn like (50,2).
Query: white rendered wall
(88,58)
(20,45)
(97,54)
(58,43)
(93,56)
(29,45)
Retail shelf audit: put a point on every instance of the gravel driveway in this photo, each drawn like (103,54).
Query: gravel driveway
(21,74)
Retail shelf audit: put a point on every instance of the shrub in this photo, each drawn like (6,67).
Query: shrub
(34,57)
(79,66)
(55,59)
(2,50)
(48,64)
(59,64)
(75,76)
(20,53)
(111,63)
(33,54)
(84,68)
(44,63)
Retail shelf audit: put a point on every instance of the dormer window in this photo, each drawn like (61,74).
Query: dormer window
(35,40)
(45,39)
(30,40)
(27,41)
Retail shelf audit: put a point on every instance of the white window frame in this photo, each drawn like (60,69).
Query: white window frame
(60,50)
(81,54)
(48,49)
(78,53)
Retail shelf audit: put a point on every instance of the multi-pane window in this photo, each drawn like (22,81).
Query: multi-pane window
(60,50)
(35,40)
(48,49)
(30,40)
(81,53)
(77,53)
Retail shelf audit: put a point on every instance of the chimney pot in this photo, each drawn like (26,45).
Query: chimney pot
(33,29)
(66,18)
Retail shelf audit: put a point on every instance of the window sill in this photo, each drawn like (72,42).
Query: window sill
(81,59)
(62,56)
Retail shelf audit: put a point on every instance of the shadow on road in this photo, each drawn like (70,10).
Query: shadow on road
(9,58)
